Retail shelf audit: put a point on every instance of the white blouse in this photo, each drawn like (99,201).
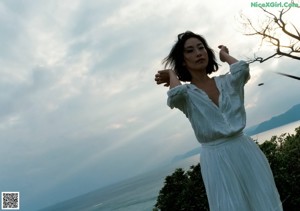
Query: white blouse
(209,121)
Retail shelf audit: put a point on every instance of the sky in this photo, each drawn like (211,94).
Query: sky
(79,106)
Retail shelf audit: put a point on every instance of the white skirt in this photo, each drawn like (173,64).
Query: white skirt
(237,176)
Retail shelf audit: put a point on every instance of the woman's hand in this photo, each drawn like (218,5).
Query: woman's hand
(223,52)
(163,77)
(224,55)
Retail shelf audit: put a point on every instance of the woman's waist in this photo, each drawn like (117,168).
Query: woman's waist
(223,140)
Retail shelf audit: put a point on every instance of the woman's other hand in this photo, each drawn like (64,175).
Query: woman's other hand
(163,77)
(223,52)
(224,55)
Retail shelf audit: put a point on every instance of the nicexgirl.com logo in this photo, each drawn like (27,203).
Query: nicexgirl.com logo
(275,4)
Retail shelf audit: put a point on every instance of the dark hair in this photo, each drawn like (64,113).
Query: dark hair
(175,58)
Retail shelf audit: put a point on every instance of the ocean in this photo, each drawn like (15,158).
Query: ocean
(140,193)
(136,194)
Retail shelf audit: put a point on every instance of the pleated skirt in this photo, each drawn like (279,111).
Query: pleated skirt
(237,176)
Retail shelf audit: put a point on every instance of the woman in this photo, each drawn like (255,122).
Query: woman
(236,173)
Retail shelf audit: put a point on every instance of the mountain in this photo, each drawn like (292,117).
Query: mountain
(292,115)
(186,155)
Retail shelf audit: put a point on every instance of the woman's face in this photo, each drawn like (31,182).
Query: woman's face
(195,55)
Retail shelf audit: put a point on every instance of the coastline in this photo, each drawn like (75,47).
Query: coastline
(284,129)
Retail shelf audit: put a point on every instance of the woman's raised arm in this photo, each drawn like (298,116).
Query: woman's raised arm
(167,77)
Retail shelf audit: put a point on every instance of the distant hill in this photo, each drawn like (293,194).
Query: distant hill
(292,115)
(186,155)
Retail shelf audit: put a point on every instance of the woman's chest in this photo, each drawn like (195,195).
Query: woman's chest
(211,92)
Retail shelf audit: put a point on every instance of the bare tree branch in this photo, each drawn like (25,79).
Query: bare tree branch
(291,76)
(269,33)
(296,30)
(261,60)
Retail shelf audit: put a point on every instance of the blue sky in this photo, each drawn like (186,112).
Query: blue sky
(79,105)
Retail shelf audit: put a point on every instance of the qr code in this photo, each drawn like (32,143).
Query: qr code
(10,200)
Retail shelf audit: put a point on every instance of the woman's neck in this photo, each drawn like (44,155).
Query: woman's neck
(200,77)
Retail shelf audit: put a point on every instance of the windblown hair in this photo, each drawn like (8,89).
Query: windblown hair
(175,59)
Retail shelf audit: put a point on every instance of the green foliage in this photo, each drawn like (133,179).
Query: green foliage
(283,153)
(185,190)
